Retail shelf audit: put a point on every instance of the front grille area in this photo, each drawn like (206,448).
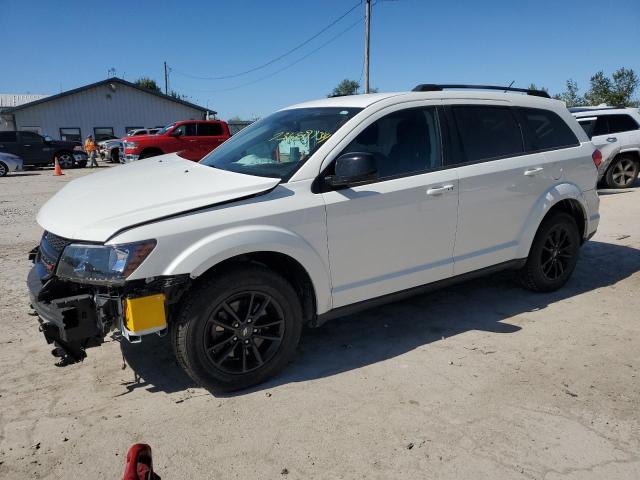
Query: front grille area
(51,247)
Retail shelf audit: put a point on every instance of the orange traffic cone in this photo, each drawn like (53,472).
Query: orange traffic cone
(57,171)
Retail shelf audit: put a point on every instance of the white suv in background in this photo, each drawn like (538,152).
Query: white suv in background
(616,132)
(319,210)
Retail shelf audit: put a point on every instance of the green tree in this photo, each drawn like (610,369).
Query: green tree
(615,91)
(533,86)
(148,83)
(345,87)
(570,96)
(177,95)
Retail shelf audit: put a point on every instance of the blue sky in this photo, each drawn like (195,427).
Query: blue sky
(52,46)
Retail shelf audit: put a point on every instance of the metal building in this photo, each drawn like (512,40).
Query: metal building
(104,109)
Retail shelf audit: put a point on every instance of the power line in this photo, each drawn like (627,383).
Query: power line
(280,57)
(331,40)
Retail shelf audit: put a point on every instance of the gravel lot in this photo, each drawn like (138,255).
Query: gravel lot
(483,381)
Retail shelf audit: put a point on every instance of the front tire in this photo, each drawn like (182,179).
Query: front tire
(65,160)
(622,173)
(553,255)
(237,328)
(4,170)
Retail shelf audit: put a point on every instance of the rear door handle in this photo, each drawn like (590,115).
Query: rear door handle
(439,190)
(612,139)
(533,171)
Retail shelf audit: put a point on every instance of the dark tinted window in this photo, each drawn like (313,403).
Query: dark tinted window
(601,127)
(209,129)
(487,132)
(546,130)
(8,137)
(30,137)
(621,123)
(403,142)
(587,126)
(187,129)
(70,134)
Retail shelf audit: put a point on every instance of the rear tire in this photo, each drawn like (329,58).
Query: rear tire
(237,328)
(623,172)
(553,255)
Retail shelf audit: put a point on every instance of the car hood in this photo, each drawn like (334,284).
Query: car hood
(97,206)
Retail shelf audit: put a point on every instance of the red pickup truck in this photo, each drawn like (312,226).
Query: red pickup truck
(192,139)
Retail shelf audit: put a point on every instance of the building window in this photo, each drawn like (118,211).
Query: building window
(128,129)
(103,133)
(70,134)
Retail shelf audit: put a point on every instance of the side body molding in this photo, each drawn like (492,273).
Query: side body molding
(219,246)
(558,193)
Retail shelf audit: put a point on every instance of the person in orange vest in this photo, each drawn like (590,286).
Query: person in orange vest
(92,151)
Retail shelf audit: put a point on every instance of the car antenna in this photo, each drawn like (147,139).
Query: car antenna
(512,82)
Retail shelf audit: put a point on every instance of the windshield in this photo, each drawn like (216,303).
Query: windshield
(277,145)
(165,129)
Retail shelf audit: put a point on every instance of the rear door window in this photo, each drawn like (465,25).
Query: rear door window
(209,129)
(545,130)
(587,125)
(487,132)
(8,137)
(30,137)
(621,123)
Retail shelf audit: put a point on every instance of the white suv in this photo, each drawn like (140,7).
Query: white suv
(319,210)
(616,132)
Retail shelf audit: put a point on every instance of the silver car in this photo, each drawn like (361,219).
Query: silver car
(9,163)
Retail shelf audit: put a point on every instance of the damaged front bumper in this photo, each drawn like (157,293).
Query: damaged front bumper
(76,316)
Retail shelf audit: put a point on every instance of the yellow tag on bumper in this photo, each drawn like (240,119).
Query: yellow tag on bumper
(145,314)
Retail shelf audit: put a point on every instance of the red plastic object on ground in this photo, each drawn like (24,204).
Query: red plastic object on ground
(139,464)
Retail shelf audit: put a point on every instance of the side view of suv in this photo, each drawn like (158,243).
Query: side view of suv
(616,132)
(316,211)
(36,150)
(192,139)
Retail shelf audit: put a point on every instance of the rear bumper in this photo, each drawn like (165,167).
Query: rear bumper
(593,212)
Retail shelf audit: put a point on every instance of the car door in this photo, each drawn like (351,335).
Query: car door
(398,231)
(33,149)
(186,143)
(498,183)
(210,137)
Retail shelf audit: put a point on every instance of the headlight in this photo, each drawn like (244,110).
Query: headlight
(130,144)
(102,264)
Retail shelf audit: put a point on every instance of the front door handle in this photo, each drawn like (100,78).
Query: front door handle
(439,190)
(26,145)
(612,139)
(533,171)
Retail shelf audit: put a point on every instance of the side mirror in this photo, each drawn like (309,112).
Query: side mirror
(352,169)
(47,139)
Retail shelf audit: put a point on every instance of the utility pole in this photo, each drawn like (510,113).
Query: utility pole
(166,79)
(367,24)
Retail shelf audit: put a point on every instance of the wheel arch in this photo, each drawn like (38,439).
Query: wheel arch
(282,250)
(566,198)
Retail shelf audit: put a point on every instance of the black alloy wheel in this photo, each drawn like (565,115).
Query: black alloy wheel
(237,327)
(557,252)
(553,254)
(244,332)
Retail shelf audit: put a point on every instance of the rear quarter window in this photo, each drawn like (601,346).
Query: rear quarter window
(621,123)
(545,130)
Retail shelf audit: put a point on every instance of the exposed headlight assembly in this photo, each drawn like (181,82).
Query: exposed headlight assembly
(102,264)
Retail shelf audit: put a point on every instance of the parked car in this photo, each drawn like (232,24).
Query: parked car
(36,150)
(193,139)
(616,131)
(143,131)
(317,211)
(9,163)
(110,150)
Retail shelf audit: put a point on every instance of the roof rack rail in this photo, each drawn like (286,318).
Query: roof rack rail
(433,87)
